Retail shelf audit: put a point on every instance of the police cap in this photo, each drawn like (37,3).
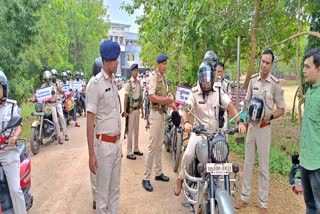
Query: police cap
(161,58)
(134,66)
(109,50)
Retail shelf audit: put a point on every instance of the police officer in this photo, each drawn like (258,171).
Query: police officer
(97,66)
(205,101)
(69,76)
(133,97)
(47,77)
(103,130)
(225,84)
(10,156)
(267,86)
(66,84)
(159,102)
(59,84)
(79,85)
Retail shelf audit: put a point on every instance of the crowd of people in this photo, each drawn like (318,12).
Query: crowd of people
(210,100)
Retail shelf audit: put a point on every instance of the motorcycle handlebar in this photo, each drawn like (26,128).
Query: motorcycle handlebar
(201,130)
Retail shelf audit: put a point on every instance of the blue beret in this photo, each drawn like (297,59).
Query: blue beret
(109,50)
(134,66)
(161,58)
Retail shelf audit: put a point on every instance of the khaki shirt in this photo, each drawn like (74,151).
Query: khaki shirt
(103,101)
(136,90)
(153,82)
(60,84)
(225,84)
(270,90)
(7,109)
(207,108)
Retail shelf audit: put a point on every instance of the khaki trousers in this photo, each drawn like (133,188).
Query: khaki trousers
(154,149)
(61,117)
(133,129)
(258,139)
(55,118)
(10,160)
(108,176)
(189,153)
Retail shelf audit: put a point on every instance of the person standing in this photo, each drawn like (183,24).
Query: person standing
(310,133)
(225,84)
(133,98)
(10,156)
(267,86)
(58,83)
(79,87)
(159,102)
(103,130)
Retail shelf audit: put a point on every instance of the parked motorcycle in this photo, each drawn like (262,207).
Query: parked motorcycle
(42,128)
(25,171)
(207,186)
(67,106)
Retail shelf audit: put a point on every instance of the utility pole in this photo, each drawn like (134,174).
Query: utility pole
(238,72)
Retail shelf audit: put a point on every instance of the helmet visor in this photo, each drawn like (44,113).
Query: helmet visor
(206,76)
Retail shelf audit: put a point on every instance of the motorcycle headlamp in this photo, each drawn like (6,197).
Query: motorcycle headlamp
(38,107)
(219,149)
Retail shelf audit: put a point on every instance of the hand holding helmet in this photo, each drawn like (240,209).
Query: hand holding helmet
(256,111)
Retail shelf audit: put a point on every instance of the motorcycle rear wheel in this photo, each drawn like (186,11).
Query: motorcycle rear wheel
(35,143)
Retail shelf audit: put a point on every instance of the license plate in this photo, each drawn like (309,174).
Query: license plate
(219,168)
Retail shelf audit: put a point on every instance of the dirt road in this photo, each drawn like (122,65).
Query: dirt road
(61,184)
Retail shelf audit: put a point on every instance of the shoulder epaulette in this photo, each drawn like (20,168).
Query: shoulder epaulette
(254,75)
(11,101)
(194,89)
(276,80)
(96,78)
(227,81)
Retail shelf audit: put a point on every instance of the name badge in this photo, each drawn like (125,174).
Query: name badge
(107,89)
(255,88)
(202,102)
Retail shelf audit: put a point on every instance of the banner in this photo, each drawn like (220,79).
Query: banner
(66,89)
(182,95)
(44,94)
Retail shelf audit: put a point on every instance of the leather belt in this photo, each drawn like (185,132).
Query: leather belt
(107,138)
(264,124)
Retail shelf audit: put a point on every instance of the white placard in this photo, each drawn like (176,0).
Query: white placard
(182,95)
(77,85)
(44,94)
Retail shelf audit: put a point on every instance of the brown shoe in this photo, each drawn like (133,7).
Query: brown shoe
(240,204)
(263,210)
(177,187)
(94,204)
(60,141)
(77,124)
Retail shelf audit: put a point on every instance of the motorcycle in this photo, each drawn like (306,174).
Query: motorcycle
(207,186)
(42,128)
(25,171)
(77,102)
(67,107)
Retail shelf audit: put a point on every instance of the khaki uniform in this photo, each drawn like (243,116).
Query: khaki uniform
(10,159)
(135,105)
(225,84)
(157,114)
(260,138)
(52,105)
(206,108)
(59,108)
(104,103)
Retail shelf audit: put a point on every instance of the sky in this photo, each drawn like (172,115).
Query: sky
(118,15)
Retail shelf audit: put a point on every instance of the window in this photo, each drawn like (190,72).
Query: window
(130,57)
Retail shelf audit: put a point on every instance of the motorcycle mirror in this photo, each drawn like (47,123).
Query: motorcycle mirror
(13,122)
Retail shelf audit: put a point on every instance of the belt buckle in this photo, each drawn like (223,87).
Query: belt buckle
(100,137)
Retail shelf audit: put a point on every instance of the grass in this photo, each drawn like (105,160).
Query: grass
(26,110)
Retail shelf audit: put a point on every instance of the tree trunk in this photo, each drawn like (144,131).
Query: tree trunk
(254,29)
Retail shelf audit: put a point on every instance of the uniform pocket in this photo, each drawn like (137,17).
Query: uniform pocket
(109,100)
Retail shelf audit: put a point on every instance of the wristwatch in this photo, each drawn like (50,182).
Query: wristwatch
(271,116)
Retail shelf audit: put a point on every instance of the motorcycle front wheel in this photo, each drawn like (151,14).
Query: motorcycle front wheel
(35,142)
(176,149)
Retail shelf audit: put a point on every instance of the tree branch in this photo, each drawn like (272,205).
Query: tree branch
(311,33)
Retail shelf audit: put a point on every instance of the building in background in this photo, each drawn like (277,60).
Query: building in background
(130,50)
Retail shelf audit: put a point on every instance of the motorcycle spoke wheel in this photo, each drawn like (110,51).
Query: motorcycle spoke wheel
(35,142)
